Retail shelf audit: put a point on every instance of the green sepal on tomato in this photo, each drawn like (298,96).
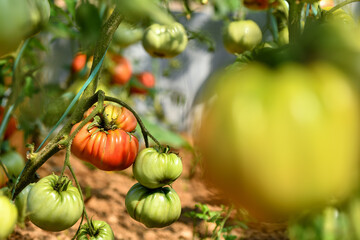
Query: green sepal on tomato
(53,204)
(8,217)
(165,41)
(99,230)
(240,36)
(155,208)
(154,169)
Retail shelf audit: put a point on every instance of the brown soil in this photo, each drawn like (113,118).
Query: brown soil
(105,200)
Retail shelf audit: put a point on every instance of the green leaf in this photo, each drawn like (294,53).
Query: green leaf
(164,135)
(71,6)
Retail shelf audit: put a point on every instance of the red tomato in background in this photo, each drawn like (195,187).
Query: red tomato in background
(259,4)
(121,71)
(78,63)
(111,151)
(11,127)
(146,80)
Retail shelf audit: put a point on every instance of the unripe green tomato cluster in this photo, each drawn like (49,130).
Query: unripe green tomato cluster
(148,201)
(240,36)
(20,19)
(165,41)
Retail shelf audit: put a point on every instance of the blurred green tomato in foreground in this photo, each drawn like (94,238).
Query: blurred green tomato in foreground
(278,141)
(20,19)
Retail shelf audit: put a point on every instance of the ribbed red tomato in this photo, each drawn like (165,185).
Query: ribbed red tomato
(110,151)
(120,116)
(11,127)
(121,72)
(146,80)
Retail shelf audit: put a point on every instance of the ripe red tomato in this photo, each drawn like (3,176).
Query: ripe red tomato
(110,151)
(78,63)
(146,80)
(120,116)
(121,71)
(11,127)
(259,4)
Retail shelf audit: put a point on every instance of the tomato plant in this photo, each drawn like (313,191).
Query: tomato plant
(277,130)
(54,204)
(154,169)
(155,208)
(146,80)
(239,36)
(99,230)
(121,70)
(8,217)
(14,162)
(165,41)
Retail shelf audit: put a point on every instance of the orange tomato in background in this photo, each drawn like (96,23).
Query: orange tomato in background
(145,80)
(121,70)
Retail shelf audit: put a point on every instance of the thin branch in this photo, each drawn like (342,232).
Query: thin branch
(144,131)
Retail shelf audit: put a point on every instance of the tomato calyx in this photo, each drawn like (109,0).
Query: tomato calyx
(62,184)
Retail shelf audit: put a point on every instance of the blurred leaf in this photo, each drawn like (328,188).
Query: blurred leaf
(71,6)
(222,8)
(146,11)
(164,135)
(89,21)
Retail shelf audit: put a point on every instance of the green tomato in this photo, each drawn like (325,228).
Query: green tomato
(285,138)
(20,19)
(102,231)
(165,41)
(155,208)
(240,36)
(284,36)
(54,206)
(14,163)
(126,34)
(21,203)
(153,169)
(8,217)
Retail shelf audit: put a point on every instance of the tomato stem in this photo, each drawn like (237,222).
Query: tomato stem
(144,131)
(294,21)
(5,170)
(340,5)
